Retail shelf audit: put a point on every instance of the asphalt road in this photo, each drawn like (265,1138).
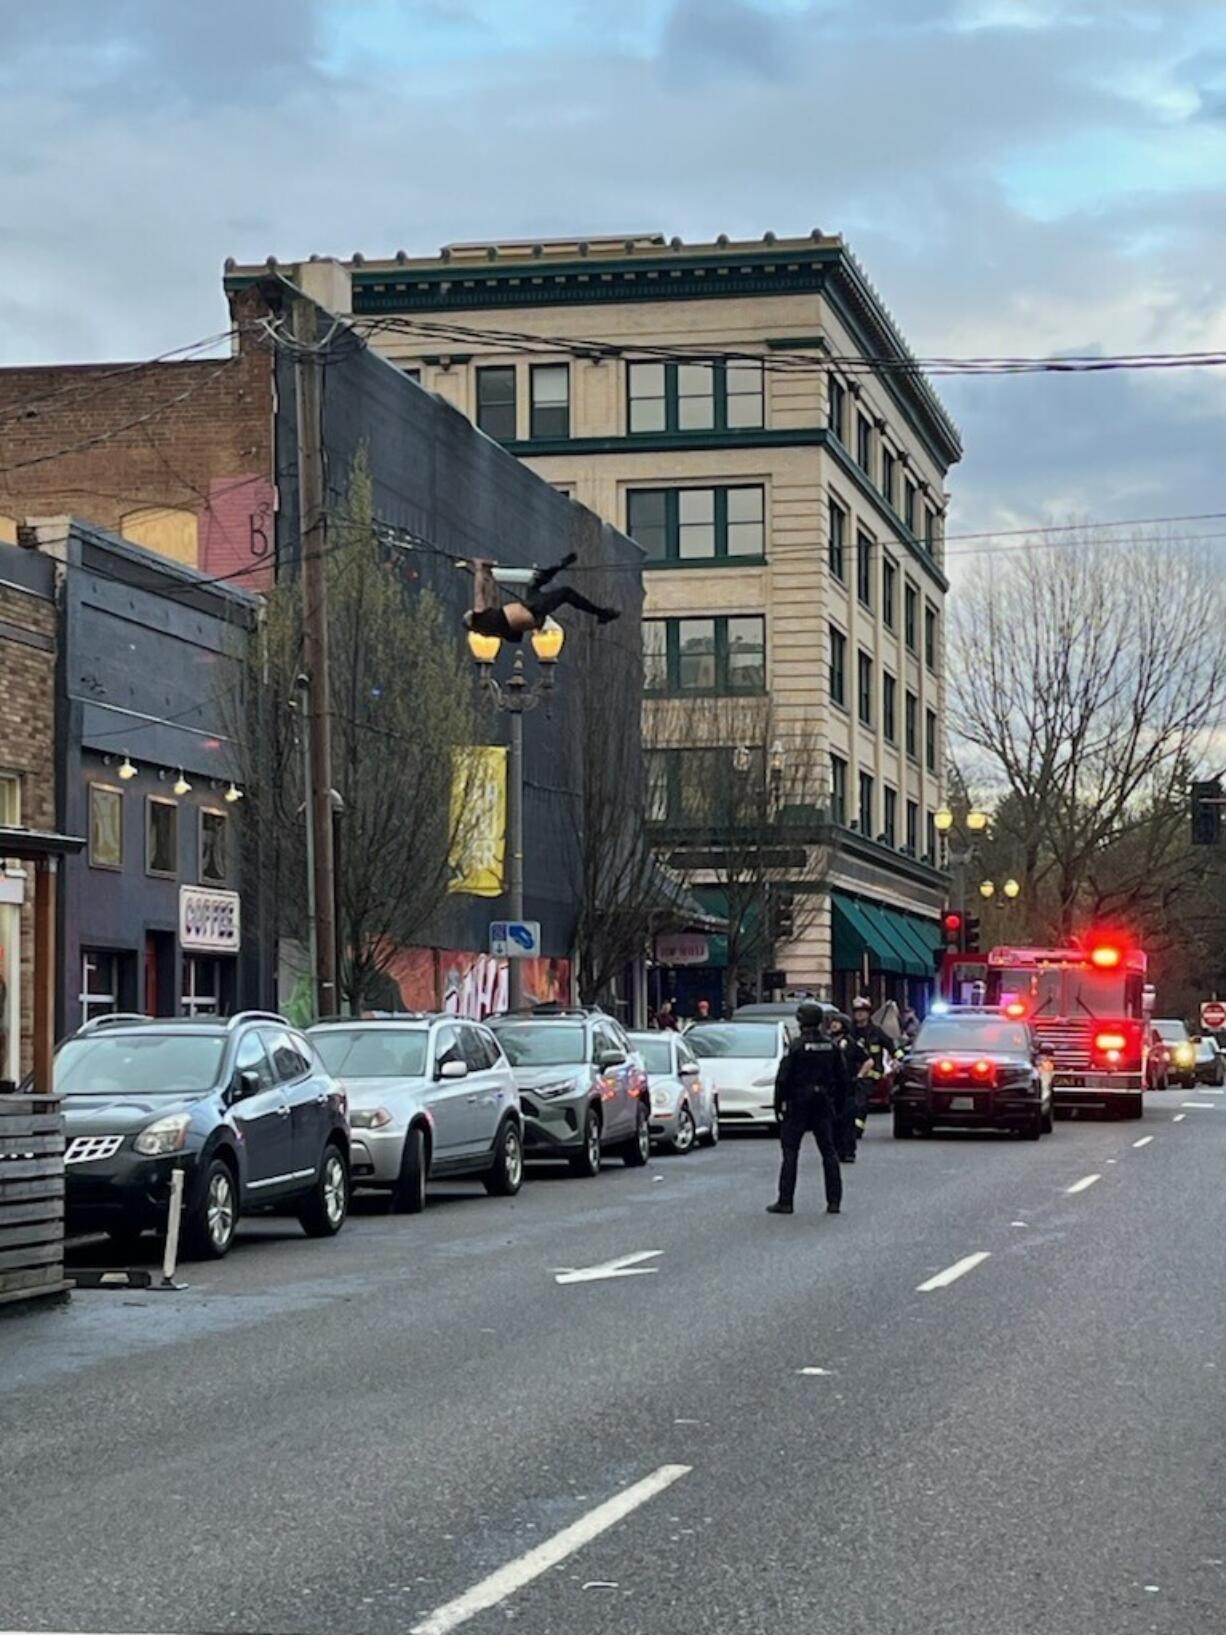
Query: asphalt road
(375,1434)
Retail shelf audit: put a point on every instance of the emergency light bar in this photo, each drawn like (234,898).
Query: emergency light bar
(1102,957)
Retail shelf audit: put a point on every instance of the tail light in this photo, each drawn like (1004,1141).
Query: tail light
(984,1072)
(1015,1010)
(944,1069)
(1114,1047)
(1109,1041)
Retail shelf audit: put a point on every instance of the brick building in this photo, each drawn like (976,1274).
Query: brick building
(176,456)
(27,775)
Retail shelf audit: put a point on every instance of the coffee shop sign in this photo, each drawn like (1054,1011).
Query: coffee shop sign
(209,920)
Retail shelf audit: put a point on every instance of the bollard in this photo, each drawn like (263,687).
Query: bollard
(170,1255)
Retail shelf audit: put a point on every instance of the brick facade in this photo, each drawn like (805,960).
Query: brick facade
(27,746)
(176,456)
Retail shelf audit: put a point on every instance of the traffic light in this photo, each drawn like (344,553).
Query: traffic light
(970,934)
(783,918)
(1207,813)
(951,928)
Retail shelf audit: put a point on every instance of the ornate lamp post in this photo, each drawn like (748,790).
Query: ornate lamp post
(517,696)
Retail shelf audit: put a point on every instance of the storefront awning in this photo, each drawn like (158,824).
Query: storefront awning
(895,942)
(925,937)
(893,932)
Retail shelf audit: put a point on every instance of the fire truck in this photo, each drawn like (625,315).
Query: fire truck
(1089,1008)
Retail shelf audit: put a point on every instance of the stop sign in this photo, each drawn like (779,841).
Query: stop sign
(1213,1014)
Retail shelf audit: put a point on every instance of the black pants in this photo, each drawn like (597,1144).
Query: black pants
(542,606)
(811,1116)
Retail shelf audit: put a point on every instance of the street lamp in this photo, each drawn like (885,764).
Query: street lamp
(987,888)
(943,821)
(976,821)
(1011,888)
(517,697)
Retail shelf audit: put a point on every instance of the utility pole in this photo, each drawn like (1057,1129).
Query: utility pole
(312,533)
(515,974)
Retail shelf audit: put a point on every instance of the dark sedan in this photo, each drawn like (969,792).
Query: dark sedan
(977,1071)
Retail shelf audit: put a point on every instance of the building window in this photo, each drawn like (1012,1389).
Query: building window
(10,800)
(161,837)
(866,804)
(912,846)
(908,504)
(889,591)
(695,396)
(889,707)
(550,408)
(864,689)
(838,667)
(201,986)
(864,568)
(720,656)
(930,740)
(930,838)
(864,444)
(930,637)
(698,524)
(213,847)
(911,725)
(889,473)
(930,529)
(496,402)
(836,407)
(838,789)
(99,984)
(889,816)
(702,786)
(836,544)
(105,827)
(655,772)
(412,371)
(910,617)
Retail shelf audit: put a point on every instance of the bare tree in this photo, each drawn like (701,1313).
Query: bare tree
(1084,682)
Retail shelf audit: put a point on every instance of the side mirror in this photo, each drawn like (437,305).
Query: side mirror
(689,1070)
(453,1070)
(610,1058)
(246,1083)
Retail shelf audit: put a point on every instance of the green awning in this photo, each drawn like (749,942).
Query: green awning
(893,934)
(925,936)
(715,900)
(856,933)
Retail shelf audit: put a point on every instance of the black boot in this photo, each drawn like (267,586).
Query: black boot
(779,1209)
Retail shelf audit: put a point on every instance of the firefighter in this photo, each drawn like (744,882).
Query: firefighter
(855,1058)
(877,1049)
(811,1088)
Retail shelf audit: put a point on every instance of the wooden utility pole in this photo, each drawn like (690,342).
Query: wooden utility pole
(312,533)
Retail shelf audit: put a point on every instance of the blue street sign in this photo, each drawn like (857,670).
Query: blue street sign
(515,939)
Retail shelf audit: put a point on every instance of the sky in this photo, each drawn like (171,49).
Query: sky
(1018,177)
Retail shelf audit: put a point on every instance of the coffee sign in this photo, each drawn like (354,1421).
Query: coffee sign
(209,920)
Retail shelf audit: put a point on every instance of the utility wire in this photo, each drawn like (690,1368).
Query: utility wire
(96,383)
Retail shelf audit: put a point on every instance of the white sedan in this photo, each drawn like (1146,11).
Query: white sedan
(684,1106)
(740,1060)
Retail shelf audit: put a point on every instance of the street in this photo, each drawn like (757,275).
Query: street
(372,1434)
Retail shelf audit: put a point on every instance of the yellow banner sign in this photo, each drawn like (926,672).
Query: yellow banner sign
(478,820)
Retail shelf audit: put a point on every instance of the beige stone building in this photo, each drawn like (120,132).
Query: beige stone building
(751,415)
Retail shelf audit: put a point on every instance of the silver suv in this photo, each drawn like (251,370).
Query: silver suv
(429,1095)
(582,1086)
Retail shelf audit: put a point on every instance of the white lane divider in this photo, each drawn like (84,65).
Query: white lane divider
(1203,1106)
(1084,1184)
(1144,1141)
(1179,1118)
(623,1266)
(500,1585)
(951,1274)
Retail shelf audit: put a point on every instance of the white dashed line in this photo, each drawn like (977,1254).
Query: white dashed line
(1085,1182)
(1203,1106)
(951,1274)
(1179,1118)
(1144,1141)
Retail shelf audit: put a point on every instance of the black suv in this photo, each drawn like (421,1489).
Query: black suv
(243,1106)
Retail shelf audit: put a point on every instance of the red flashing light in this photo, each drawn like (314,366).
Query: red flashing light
(952,922)
(1015,1010)
(1108,1042)
(984,1071)
(1106,957)
(946,1069)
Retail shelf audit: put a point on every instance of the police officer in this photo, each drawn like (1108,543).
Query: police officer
(810,1090)
(855,1058)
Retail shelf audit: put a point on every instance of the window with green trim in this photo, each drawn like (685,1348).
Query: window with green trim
(889,707)
(864,688)
(889,816)
(867,803)
(698,524)
(836,407)
(910,617)
(864,567)
(864,444)
(836,543)
(930,636)
(889,591)
(838,667)
(911,725)
(930,739)
(912,843)
(724,396)
(909,494)
(719,786)
(496,402)
(838,789)
(719,656)
(889,474)
(550,403)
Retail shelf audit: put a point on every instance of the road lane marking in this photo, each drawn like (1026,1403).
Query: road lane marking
(1085,1182)
(1205,1106)
(500,1585)
(1144,1141)
(816,1373)
(1204,1091)
(951,1274)
(1179,1118)
(624,1266)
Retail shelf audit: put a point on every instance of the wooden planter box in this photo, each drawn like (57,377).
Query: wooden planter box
(31,1197)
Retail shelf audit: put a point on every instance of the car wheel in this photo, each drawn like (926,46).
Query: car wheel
(507,1176)
(324,1212)
(214,1221)
(903,1128)
(1047,1120)
(1033,1128)
(686,1133)
(711,1138)
(409,1193)
(637,1150)
(587,1160)
(1132,1107)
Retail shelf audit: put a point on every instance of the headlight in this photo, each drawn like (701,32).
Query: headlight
(369,1118)
(167,1134)
(1185,1055)
(546,1091)
(660,1098)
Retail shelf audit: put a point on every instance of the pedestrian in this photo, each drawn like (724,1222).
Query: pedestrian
(910,1025)
(513,621)
(878,1050)
(854,1058)
(810,1090)
(666,1019)
(702,1011)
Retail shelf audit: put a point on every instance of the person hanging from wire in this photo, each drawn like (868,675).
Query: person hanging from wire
(514,619)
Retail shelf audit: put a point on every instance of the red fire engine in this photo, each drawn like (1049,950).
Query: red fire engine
(1089,1007)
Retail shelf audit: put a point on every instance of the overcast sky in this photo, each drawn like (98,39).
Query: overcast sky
(1017,176)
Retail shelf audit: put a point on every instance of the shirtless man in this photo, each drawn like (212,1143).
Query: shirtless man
(514,620)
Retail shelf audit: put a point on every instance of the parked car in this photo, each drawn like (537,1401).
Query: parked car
(1179,1049)
(243,1106)
(429,1096)
(684,1107)
(582,1087)
(777,1010)
(974,1069)
(1210,1063)
(739,1060)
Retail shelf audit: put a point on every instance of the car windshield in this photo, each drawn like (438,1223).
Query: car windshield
(541,1044)
(743,1039)
(1175,1031)
(657,1054)
(373,1053)
(978,1034)
(144,1064)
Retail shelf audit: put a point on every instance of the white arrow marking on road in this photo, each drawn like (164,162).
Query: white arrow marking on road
(1085,1182)
(491,1591)
(1205,1106)
(624,1266)
(1144,1141)
(951,1274)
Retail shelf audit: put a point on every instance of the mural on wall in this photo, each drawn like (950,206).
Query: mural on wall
(237,535)
(472,985)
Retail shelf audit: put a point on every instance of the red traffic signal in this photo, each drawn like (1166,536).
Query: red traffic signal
(951,924)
